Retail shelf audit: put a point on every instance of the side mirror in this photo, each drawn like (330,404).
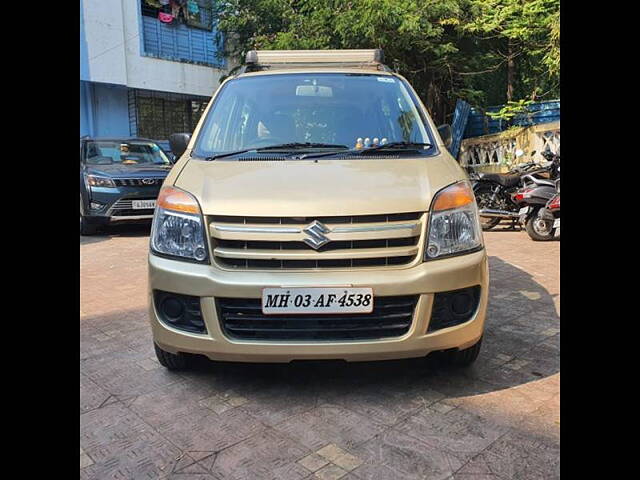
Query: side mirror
(178,143)
(446,134)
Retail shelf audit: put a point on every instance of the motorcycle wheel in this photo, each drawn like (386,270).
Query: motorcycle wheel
(539,229)
(483,198)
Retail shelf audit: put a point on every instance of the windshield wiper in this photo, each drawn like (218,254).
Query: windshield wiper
(394,146)
(280,146)
(229,154)
(389,146)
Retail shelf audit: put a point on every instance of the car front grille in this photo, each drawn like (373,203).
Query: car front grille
(138,182)
(242,318)
(315,242)
(124,208)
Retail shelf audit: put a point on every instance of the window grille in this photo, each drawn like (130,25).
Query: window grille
(156,115)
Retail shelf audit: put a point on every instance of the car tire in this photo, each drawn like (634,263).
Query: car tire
(534,230)
(171,361)
(86,228)
(464,358)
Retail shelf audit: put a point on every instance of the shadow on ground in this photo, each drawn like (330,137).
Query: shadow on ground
(108,232)
(521,344)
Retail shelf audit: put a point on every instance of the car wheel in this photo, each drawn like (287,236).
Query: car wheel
(171,361)
(464,358)
(86,228)
(539,229)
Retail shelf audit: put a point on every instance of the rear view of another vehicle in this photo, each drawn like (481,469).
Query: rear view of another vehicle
(538,200)
(119,181)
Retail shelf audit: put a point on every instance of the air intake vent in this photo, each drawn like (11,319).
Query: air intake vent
(242,318)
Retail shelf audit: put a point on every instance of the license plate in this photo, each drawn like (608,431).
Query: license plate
(143,204)
(523,210)
(317,300)
(556,223)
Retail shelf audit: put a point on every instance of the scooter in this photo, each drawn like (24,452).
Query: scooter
(539,202)
(551,211)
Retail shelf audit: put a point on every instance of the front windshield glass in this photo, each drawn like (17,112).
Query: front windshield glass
(124,153)
(328,108)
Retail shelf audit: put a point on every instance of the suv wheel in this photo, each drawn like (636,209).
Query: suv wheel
(86,228)
(464,358)
(171,361)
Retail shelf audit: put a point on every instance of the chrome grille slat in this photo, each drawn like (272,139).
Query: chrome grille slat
(255,254)
(138,182)
(293,243)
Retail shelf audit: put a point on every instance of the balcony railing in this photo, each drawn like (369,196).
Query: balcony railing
(496,153)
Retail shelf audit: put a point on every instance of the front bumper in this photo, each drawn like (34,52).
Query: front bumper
(112,199)
(208,282)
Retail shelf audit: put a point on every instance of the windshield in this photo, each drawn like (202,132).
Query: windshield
(327,108)
(124,153)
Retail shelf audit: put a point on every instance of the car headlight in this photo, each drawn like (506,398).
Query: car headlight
(454,225)
(178,228)
(96,181)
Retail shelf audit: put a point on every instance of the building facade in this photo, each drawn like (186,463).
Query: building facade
(147,67)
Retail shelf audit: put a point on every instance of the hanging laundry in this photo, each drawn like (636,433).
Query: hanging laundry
(165,17)
(193,7)
(178,7)
(166,7)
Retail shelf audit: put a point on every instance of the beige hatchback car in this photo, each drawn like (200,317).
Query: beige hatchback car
(316,214)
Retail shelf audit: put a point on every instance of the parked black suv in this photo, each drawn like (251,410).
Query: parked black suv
(119,180)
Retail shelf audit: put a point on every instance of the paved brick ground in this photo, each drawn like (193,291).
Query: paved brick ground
(407,419)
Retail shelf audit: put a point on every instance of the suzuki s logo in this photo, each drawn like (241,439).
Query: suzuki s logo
(316,231)
(149,181)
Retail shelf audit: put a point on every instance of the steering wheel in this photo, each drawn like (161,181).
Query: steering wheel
(265,142)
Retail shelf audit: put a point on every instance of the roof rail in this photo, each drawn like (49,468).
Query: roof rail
(260,59)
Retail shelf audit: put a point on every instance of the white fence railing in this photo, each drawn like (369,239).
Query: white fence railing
(496,152)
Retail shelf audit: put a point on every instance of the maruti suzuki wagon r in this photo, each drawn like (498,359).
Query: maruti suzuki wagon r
(315,213)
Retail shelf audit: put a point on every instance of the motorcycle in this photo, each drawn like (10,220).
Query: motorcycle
(495,192)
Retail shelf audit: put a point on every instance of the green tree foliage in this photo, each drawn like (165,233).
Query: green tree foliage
(525,35)
(447,49)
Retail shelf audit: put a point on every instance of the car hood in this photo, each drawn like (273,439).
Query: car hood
(129,171)
(304,188)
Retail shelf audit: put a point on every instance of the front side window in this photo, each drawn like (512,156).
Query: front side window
(124,153)
(259,111)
